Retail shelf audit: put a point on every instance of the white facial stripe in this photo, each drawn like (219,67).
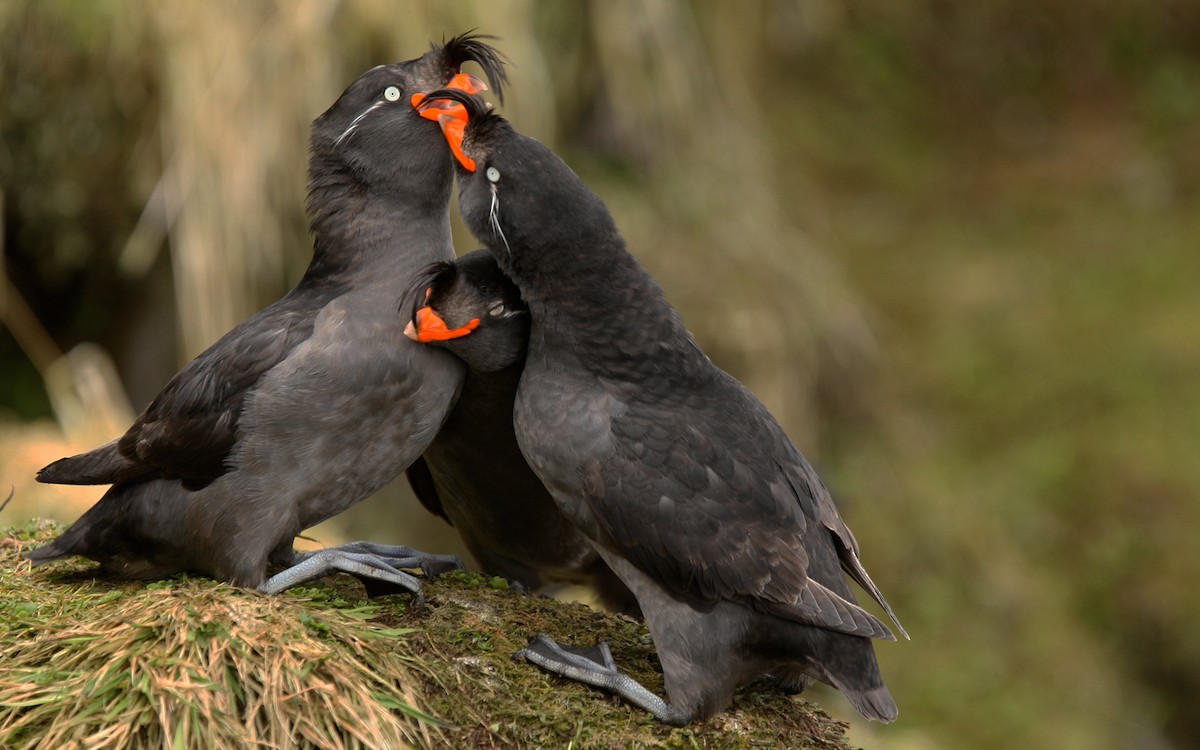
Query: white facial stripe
(494,217)
(346,133)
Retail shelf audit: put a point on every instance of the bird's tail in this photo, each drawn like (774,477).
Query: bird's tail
(846,662)
(874,703)
(88,534)
(66,545)
(55,550)
(850,666)
(136,531)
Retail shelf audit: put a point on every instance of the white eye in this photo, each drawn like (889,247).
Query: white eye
(496,310)
(391,93)
(493,174)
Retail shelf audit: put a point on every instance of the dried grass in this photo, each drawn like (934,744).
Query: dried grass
(194,664)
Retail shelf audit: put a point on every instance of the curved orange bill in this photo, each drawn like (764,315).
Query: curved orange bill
(429,326)
(453,127)
(452,116)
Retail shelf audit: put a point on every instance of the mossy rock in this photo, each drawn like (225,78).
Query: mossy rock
(188,663)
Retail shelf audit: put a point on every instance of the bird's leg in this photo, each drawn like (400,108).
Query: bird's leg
(595,666)
(791,682)
(309,566)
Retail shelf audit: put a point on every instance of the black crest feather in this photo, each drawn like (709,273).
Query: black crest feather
(470,47)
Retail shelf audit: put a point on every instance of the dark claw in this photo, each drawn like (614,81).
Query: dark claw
(437,567)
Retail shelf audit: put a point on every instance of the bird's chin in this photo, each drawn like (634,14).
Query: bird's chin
(474,211)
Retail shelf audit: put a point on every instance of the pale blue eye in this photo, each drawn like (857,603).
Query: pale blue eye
(493,174)
(391,93)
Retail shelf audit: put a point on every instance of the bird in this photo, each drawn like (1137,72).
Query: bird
(473,474)
(682,480)
(316,401)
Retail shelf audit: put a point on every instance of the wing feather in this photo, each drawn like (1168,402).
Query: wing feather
(188,431)
(711,498)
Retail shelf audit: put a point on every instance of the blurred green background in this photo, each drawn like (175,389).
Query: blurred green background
(954,246)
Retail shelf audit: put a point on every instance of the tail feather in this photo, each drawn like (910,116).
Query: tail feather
(76,540)
(135,531)
(49,552)
(846,663)
(850,665)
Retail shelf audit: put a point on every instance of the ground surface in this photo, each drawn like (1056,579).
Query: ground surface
(89,661)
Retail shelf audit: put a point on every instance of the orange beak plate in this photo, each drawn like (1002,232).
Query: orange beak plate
(429,326)
(452,116)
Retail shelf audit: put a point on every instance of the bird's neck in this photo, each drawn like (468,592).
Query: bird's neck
(378,236)
(599,304)
(490,392)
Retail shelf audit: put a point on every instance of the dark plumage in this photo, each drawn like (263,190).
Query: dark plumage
(686,485)
(316,401)
(475,476)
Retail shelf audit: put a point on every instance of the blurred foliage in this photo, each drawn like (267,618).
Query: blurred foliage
(952,245)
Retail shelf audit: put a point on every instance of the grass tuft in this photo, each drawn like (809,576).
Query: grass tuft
(189,663)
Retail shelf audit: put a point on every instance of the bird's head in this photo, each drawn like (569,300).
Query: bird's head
(513,191)
(374,132)
(472,309)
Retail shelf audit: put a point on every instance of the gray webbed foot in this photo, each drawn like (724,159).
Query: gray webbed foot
(378,566)
(399,556)
(311,566)
(594,666)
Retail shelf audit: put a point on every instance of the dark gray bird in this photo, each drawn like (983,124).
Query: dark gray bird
(473,474)
(688,488)
(316,401)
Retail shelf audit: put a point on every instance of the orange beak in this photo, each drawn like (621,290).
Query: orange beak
(429,326)
(452,116)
